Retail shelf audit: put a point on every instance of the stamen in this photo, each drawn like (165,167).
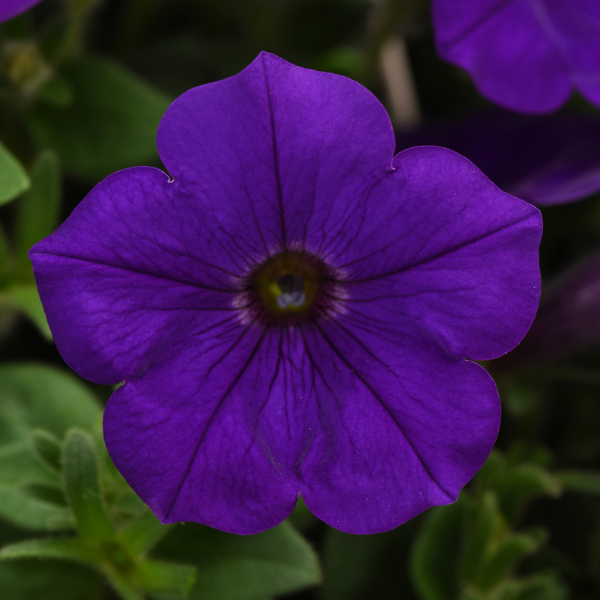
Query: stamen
(288,289)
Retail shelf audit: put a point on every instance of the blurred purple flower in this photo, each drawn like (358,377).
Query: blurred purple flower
(568,319)
(292,311)
(526,55)
(12,8)
(546,160)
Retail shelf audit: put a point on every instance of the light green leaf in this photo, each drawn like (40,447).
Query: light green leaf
(28,512)
(47,449)
(33,396)
(82,487)
(232,567)
(111,123)
(38,209)
(72,549)
(39,396)
(143,533)
(26,299)
(13,178)
(166,580)
(19,466)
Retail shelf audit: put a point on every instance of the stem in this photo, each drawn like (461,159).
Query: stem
(399,84)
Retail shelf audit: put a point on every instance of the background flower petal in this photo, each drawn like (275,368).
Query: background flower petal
(507,48)
(276,149)
(405,426)
(128,274)
(11,8)
(546,160)
(576,27)
(446,247)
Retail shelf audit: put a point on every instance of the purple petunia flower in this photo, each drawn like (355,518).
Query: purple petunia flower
(12,8)
(292,311)
(526,55)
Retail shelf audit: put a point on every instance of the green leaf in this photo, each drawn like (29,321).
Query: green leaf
(34,396)
(486,527)
(57,92)
(50,580)
(434,557)
(502,562)
(47,448)
(166,580)
(585,482)
(111,123)
(28,512)
(13,178)
(19,466)
(72,549)
(4,254)
(25,298)
(38,209)
(369,566)
(232,567)
(122,586)
(31,397)
(539,587)
(82,487)
(143,533)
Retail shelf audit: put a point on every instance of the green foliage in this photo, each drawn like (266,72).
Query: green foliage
(232,567)
(29,579)
(38,209)
(47,449)
(368,566)
(13,178)
(434,560)
(110,124)
(166,580)
(35,396)
(587,482)
(468,550)
(82,487)
(141,534)
(25,299)
(38,403)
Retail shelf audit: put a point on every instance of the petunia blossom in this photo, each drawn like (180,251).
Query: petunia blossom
(12,8)
(526,55)
(292,310)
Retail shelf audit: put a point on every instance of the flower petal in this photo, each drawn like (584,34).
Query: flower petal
(128,273)
(446,247)
(508,49)
(300,146)
(212,435)
(245,418)
(405,426)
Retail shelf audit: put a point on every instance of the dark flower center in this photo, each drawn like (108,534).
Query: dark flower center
(290,288)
